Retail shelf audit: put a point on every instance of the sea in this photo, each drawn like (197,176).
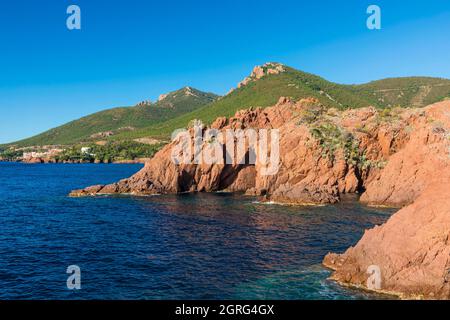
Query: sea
(189,246)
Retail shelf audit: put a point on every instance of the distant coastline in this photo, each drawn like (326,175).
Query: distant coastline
(41,161)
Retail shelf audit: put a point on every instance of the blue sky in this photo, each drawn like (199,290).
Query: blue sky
(134,50)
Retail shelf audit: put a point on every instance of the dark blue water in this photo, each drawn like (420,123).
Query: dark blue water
(206,246)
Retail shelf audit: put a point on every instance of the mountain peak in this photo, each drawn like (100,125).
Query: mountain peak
(266,69)
(162,97)
(144,103)
(186,91)
(261,71)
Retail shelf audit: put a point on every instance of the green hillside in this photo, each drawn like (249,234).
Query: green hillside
(262,92)
(262,88)
(297,84)
(405,92)
(104,124)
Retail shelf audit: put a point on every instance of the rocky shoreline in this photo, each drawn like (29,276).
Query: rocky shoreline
(398,157)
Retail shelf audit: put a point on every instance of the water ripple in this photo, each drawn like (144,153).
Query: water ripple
(205,246)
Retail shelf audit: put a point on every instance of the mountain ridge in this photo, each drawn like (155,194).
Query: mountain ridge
(262,88)
(108,122)
(295,84)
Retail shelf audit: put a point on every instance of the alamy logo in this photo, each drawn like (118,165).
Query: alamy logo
(374,280)
(73,22)
(231,146)
(74,280)
(374,20)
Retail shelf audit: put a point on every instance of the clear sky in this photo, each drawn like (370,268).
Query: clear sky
(132,50)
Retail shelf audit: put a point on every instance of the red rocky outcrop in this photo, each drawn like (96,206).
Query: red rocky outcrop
(394,158)
(305,174)
(412,250)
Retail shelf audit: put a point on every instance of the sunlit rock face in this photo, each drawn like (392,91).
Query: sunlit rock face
(398,158)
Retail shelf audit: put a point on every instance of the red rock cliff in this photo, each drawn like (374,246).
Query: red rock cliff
(412,249)
(307,172)
(394,157)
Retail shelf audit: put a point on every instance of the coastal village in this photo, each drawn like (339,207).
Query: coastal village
(79,154)
(40,154)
